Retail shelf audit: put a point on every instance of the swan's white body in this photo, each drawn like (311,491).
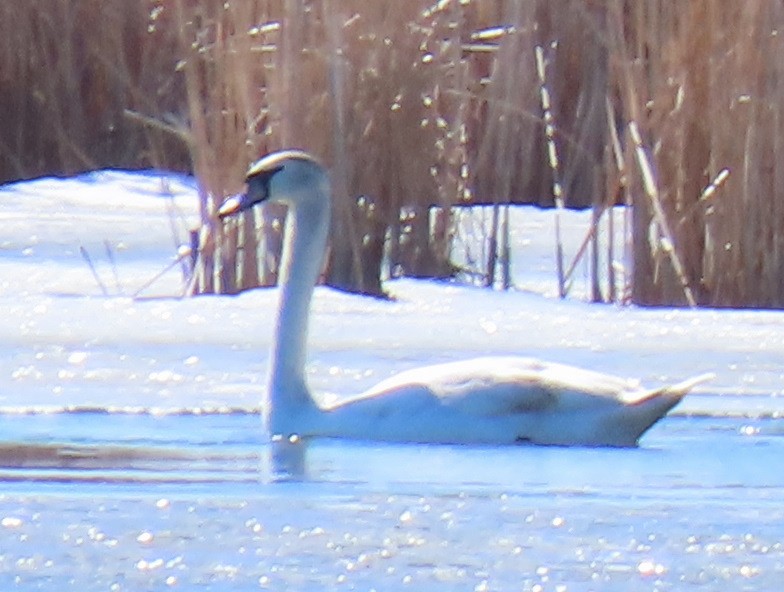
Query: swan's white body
(490,400)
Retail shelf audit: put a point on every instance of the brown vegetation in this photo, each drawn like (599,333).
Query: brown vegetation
(68,71)
(705,87)
(420,106)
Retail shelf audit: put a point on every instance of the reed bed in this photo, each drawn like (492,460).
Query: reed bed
(69,69)
(704,88)
(421,108)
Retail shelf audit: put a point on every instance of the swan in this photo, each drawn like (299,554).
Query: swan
(487,400)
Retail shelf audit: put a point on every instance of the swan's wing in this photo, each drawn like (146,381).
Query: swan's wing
(500,386)
(502,400)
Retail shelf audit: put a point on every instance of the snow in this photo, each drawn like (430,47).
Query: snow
(64,343)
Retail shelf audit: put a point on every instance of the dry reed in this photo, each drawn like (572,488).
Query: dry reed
(702,80)
(422,106)
(68,70)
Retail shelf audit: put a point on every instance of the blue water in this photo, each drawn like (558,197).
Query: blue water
(100,501)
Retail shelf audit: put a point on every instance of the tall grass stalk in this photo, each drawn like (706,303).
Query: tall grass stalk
(552,160)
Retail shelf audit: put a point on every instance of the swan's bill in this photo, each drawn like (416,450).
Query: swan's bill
(233,205)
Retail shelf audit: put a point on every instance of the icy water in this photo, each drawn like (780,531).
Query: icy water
(113,501)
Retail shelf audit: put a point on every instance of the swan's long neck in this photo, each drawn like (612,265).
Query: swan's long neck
(307,226)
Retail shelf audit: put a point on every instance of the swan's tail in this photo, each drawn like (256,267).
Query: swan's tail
(642,413)
(683,387)
(675,392)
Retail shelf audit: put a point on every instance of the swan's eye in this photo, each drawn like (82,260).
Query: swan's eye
(258,187)
(259,184)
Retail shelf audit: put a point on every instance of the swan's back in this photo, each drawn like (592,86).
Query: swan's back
(503,400)
(495,385)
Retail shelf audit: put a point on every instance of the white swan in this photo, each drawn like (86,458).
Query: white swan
(491,400)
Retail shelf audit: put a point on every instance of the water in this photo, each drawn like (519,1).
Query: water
(112,501)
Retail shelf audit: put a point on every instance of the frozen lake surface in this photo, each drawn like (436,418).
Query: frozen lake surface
(131,452)
(130,502)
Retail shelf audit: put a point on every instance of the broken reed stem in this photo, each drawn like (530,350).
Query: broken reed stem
(88,259)
(506,251)
(552,153)
(707,194)
(181,256)
(589,236)
(113,262)
(617,183)
(666,241)
(612,295)
(717,182)
(203,239)
(492,247)
(175,130)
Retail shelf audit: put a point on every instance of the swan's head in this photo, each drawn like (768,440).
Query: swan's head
(290,176)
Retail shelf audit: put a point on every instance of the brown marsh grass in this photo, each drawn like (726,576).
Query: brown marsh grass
(419,107)
(702,81)
(68,71)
